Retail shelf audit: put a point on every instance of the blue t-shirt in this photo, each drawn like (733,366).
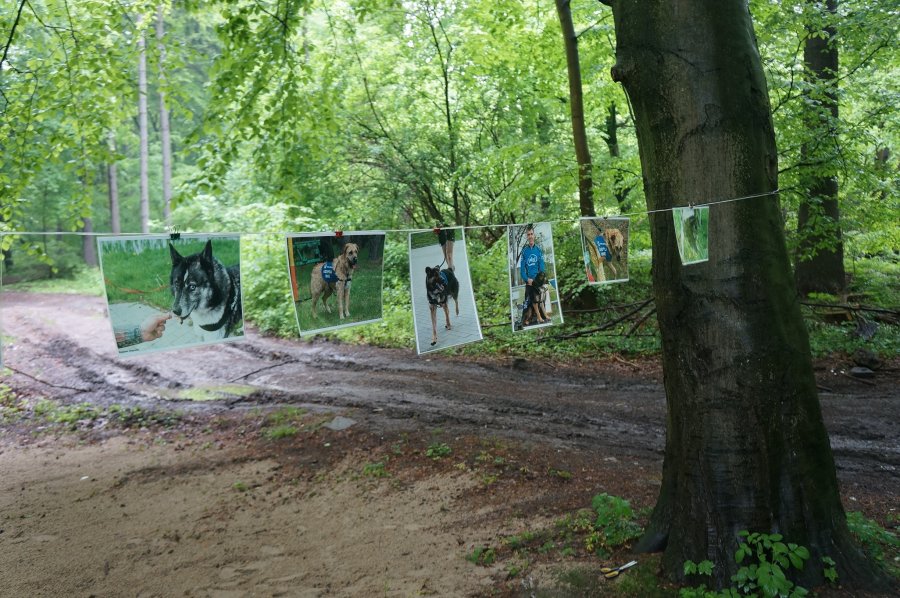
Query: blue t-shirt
(602,249)
(532,262)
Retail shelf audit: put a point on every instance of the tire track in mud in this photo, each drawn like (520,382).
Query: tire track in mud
(64,340)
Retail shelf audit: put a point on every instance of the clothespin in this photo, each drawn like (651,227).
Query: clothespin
(437,230)
(338,233)
(174,235)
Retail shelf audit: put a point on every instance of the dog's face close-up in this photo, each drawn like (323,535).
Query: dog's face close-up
(191,280)
(434,284)
(351,253)
(615,240)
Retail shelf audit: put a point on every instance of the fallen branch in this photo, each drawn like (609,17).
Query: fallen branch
(604,326)
(846,375)
(640,321)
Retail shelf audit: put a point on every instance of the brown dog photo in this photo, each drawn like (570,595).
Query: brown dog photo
(604,242)
(327,270)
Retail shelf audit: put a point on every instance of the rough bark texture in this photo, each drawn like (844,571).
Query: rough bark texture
(165,137)
(144,134)
(821,268)
(745,447)
(576,104)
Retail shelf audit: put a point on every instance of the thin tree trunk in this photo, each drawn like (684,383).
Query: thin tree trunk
(576,104)
(112,179)
(612,142)
(746,447)
(820,251)
(144,134)
(165,138)
(89,248)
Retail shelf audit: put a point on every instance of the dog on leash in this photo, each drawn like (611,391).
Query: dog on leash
(207,292)
(606,249)
(329,278)
(534,311)
(441,285)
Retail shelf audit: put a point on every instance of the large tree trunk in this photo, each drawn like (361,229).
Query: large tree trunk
(576,104)
(144,134)
(820,251)
(746,448)
(112,179)
(165,138)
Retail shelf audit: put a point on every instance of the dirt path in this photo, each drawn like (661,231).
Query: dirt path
(213,507)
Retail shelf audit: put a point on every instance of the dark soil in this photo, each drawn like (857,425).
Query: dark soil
(555,433)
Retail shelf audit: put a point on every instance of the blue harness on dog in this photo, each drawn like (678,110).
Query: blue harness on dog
(444,278)
(328,274)
(602,248)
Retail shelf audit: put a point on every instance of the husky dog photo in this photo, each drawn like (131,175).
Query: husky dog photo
(336,280)
(444,311)
(166,293)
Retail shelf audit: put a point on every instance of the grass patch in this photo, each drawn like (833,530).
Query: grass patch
(83,281)
(86,415)
(437,451)
(282,431)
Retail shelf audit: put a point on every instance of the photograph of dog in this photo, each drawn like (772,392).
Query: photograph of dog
(325,265)
(434,283)
(334,278)
(166,293)
(533,288)
(604,243)
(692,233)
(441,285)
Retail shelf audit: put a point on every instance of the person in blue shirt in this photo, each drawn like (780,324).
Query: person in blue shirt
(531,264)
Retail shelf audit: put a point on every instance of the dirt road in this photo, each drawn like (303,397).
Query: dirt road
(604,421)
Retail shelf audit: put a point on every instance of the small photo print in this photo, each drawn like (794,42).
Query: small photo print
(692,234)
(604,243)
(336,281)
(533,288)
(443,300)
(166,293)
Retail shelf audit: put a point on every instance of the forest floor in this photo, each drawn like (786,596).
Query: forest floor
(272,467)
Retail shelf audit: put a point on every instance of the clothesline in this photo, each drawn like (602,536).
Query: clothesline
(396,230)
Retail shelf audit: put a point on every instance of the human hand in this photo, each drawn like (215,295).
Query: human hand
(153,327)
(530,280)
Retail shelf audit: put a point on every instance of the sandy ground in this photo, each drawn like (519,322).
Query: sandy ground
(211,504)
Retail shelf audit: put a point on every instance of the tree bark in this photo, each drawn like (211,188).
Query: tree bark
(746,448)
(820,251)
(576,104)
(88,244)
(165,137)
(112,180)
(144,134)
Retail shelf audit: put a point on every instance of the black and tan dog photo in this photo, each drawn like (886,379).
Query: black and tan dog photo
(440,286)
(334,278)
(441,255)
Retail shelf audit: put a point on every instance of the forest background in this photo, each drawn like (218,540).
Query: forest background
(269,117)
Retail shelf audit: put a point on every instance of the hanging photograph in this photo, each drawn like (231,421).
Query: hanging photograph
(692,233)
(336,280)
(443,300)
(604,243)
(168,293)
(533,289)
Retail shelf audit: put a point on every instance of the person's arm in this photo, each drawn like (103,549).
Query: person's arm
(541,261)
(150,329)
(523,271)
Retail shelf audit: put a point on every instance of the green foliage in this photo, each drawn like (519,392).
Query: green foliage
(281,431)
(437,451)
(614,525)
(882,545)
(482,555)
(375,470)
(766,560)
(82,281)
